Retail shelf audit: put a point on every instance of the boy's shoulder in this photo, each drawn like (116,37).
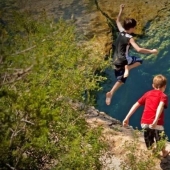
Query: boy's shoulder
(158,92)
(124,33)
(164,94)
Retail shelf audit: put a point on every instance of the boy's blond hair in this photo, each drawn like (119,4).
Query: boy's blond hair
(159,81)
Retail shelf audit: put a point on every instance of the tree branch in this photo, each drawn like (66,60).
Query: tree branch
(9,166)
(16,76)
(23,51)
(23,120)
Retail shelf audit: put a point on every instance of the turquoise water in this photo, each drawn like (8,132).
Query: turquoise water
(157,35)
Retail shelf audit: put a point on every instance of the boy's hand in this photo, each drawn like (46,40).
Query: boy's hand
(153,125)
(122,6)
(155,51)
(125,122)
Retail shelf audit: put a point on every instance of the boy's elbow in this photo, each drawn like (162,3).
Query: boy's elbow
(137,104)
(139,50)
(117,20)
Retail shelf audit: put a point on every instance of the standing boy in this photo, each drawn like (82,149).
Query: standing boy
(122,61)
(152,120)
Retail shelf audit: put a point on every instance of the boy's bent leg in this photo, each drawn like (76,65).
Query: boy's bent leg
(160,135)
(165,152)
(134,65)
(126,73)
(112,91)
(120,80)
(149,137)
(136,61)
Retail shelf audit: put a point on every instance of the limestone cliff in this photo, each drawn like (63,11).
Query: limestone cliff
(91,23)
(123,143)
(97,35)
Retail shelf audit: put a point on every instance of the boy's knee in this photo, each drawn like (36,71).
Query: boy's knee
(141,61)
(122,80)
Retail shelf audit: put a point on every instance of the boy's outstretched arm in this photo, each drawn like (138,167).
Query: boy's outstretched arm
(158,113)
(119,25)
(142,50)
(132,110)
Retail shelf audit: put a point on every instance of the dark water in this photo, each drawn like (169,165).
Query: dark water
(136,85)
(157,35)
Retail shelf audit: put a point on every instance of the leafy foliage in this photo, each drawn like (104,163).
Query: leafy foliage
(42,69)
(137,158)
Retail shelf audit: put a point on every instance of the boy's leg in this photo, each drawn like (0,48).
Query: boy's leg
(112,91)
(134,65)
(126,73)
(149,137)
(160,136)
(135,62)
(165,152)
(120,80)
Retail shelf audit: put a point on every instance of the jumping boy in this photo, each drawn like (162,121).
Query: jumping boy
(152,120)
(122,61)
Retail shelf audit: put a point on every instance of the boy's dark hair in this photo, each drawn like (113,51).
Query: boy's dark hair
(159,81)
(129,23)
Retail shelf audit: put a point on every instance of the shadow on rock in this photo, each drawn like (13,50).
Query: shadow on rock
(165,163)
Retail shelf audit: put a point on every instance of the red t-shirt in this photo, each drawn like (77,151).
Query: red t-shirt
(151,100)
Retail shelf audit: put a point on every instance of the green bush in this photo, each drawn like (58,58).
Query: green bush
(136,158)
(41,64)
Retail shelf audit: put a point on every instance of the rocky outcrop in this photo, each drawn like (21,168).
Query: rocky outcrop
(118,139)
(91,24)
(116,136)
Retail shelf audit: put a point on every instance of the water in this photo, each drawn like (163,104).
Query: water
(157,35)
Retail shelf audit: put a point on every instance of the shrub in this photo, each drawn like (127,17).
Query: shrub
(40,64)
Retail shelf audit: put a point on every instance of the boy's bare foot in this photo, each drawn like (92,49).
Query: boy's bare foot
(165,153)
(108,98)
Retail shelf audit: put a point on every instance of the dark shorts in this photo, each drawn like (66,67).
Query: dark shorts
(135,59)
(119,70)
(119,75)
(153,135)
